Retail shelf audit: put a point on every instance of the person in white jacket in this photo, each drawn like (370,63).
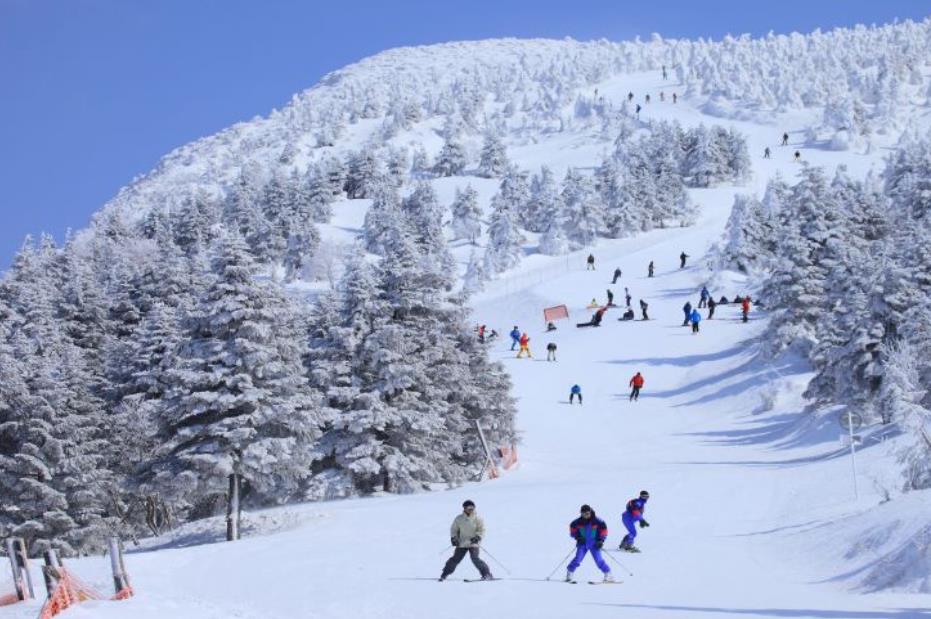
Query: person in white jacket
(466,535)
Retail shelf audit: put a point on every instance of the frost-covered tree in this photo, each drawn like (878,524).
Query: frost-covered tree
(582,208)
(452,160)
(494,159)
(544,194)
(466,223)
(746,236)
(504,235)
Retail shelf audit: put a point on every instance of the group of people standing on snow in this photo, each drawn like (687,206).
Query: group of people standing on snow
(588,531)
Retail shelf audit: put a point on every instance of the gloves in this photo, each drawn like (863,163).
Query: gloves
(599,544)
(579,540)
(644,524)
(454,541)
(475,540)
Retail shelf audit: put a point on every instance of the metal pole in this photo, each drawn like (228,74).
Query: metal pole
(559,565)
(853,454)
(116,565)
(481,436)
(492,557)
(232,509)
(18,583)
(623,567)
(23,558)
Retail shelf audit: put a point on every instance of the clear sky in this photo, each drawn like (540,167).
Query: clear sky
(93,92)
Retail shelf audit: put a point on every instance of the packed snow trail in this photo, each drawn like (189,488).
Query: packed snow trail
(731,485)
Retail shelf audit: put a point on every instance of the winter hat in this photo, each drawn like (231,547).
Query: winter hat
(644,494)
(586,508)
(468,503)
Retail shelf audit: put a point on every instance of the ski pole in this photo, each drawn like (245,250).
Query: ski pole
(491,556)
(445,550)
(623,567)
(559,565)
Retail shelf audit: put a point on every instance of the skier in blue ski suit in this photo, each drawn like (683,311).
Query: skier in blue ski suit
(632,515)
(574,392)
(695,318)
(515,337)
(589,533)
(703,302)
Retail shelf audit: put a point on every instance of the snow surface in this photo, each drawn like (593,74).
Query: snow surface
(752,506)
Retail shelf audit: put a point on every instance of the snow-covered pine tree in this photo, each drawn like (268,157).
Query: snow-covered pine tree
(494,159)
(466,223)
(452,160)
(537,210)
(582,208)
(504,236)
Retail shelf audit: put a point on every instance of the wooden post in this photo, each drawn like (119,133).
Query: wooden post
(232,509)
(18,582)
(23,558)
(120,581)
(51,571)
(489,460)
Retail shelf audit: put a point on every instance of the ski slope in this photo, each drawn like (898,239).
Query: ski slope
(752,507)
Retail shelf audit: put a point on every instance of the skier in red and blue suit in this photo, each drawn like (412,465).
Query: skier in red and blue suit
(589,533)
(632,515)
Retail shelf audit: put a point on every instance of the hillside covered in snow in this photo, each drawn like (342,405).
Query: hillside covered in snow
(293,303)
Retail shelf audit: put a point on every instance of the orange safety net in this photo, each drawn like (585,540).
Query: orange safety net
(124,594)
(508,456)
(9,598)
(69,591)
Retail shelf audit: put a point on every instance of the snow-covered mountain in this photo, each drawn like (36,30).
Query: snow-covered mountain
(318,257)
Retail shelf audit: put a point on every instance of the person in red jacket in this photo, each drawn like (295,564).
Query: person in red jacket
(745,307)
(524,346)
(636,383)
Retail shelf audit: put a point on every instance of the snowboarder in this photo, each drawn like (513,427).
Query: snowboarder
(687,310)
(627,296)
(675,97)
(611,298)
(617,274)
(551,351)
(466,536)
(650,269)
(745,308)
(766,153)
(596,319)
(575,391)
(589,533)
(696,318)
(798,156)
(703,301)
(492,337)
(785,139)
(593,304)
(636,384)
(591,263)
(550,326)
(628,315)
(643,309)
(632,515)
(711,305)
(515,337)
(682,258)
(524,346)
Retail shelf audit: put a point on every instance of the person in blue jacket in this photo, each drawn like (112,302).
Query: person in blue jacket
(687,310)
(589,533)
(575,391)
(633,515)
(515,337)
(695,318)
(703,301)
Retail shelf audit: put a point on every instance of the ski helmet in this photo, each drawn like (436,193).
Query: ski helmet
(585,508)
(644,494)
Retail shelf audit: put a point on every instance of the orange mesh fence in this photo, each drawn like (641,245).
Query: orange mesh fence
(9,598)
(555,313)
(124,593)
(508,456)
(70,590)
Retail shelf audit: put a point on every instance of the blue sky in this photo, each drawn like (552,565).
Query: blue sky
(95,91)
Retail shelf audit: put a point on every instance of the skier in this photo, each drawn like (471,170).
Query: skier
(632,515)
(492,337)
(648,98)
(798,156)
(515,337)
(662,96)
(575,391)
(703,301)
(589,532)
(611,298)
(785,139)
(627,296)
(675,97)
(628,315)
(630,96)
(650,269)
(524,346)
(711,305)
(696,318)
(466,534)
(745,308)
(766,153)
(551,351)
(682,258)
(664,72)
(643,309)
(617,274)
(636,384)
(638,110)
(591,263)
(550,326)
(481,334)
(687,310)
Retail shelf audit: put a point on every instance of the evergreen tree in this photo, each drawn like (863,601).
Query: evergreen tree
(583,212)
(452,160)
(494,160)
(466,223)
